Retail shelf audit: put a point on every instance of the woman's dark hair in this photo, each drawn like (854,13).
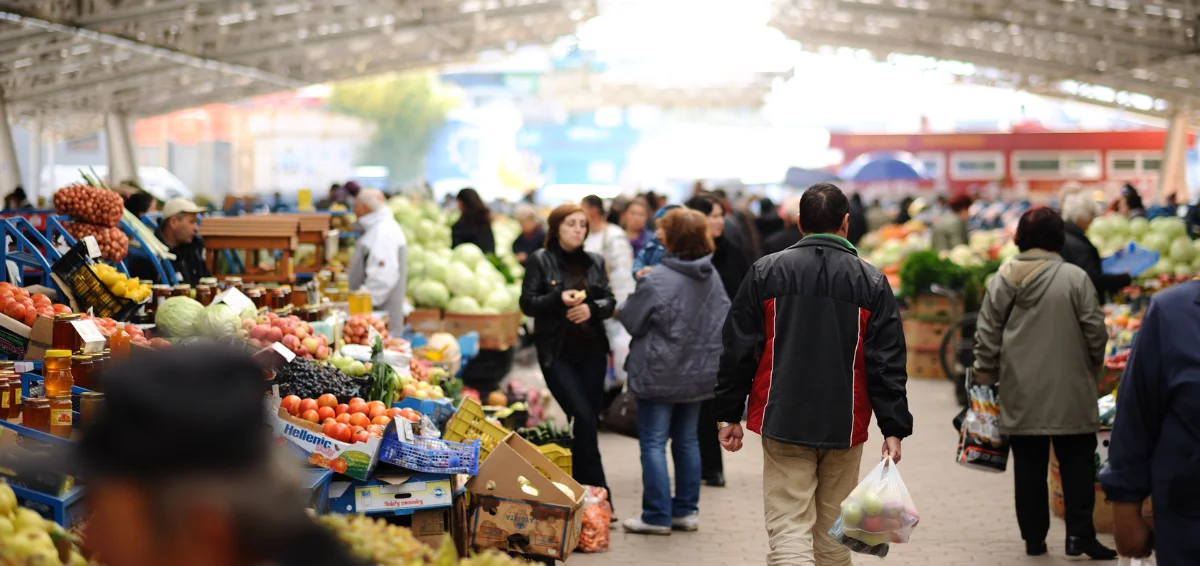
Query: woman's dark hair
(1133,199)
(960,203)
(652,201)
(704,204)
(823,208)
(593,201)
(139,203)
(474,211)
(687,235)
(557,216)
(767,207)
(1040,227)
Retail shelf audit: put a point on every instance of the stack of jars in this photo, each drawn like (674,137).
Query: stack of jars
(65,366)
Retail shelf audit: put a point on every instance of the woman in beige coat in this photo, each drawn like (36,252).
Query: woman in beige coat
(1040,336)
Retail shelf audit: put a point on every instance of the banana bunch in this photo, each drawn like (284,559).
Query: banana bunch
(120,284)
(26,539)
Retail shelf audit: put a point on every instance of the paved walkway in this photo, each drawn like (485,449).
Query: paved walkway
(967,516)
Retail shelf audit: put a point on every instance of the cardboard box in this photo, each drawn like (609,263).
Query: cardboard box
(393,491)
(924,363)
(425,321)
(921,333)
(515,506)
(14,338)
(935,308)
(431,526)
(306,440)
(496,331)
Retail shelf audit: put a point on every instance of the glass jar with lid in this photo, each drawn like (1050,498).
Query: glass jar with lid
(6,395)
(63,333)
(160,293)
(204,294)
(61,416)
(235,282)
(36,414)
(82,367)
(89,407)
(57,372)
(14,395)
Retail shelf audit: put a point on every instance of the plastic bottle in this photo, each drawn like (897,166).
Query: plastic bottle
(118,343)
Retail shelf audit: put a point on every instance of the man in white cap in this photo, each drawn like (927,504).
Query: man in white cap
(180,231)
(379,264)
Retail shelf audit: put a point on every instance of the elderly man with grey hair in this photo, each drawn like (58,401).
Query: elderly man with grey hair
(1078,210)
(380,264)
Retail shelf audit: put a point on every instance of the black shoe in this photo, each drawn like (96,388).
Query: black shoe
(715,480)
(1077,546)
(1035,548)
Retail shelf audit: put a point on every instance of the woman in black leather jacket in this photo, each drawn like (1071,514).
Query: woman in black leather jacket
(566,292)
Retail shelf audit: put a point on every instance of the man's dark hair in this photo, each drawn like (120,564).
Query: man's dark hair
(704,204)
(593,202)
(1042,228)
(823,207)
(139,203)
(960,203)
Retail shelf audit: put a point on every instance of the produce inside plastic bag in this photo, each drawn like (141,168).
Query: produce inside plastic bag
(597,517)
(878,512)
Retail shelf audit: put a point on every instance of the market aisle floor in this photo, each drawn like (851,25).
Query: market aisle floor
(966,516)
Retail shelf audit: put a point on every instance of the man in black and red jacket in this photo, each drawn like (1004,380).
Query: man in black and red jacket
(814,339)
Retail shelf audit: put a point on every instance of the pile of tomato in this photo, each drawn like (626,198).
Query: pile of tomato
(18,304)
(356,421)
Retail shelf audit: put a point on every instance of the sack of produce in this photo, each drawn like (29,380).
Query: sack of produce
(980,443)
(92,205)
(878,512)
(113,242)
(594,531)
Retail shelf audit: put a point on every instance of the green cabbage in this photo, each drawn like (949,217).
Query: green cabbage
(461,280)
(177,316)
(468,254)
(464,305)
(431,294)
(218,321)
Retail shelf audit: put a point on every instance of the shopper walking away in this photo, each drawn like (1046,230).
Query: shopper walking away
(532,236)
(653,252)
(950,228)
(877,217)
(1155,438)
(474,226)
(1078,211)
(566,292)
(609,241)
(1040,337)
(790,234)
(858,219)
(379,264)
(202,499)
(675,318)
(731,267)
(814,339)
(1130,202)
(768,221)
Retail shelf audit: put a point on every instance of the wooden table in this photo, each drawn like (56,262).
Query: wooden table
(313,230)
(249,234)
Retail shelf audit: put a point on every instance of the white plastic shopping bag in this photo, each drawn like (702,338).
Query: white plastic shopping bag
(878,512)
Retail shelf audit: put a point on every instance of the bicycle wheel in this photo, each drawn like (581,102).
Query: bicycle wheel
(956,353)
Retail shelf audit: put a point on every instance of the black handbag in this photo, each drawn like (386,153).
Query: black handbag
(621,416)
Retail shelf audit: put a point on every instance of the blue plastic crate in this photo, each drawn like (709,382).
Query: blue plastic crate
(430,455)
(439,411)
(1132,259)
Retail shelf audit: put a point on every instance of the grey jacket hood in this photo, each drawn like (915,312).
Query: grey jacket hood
(1030,274)
(699,268)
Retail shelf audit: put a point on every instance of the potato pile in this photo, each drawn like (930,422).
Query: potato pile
(96,212)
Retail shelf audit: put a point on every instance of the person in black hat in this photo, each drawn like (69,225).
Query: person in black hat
(180,469)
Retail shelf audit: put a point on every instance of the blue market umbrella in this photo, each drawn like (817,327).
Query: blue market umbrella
(803,178)
(885,166)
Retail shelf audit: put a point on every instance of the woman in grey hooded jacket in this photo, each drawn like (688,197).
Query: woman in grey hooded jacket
(675,318)
(1040,337)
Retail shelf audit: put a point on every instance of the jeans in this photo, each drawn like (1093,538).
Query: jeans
(577,383)
(1076,455)
(656,423)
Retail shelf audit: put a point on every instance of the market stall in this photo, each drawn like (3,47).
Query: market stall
(244,237)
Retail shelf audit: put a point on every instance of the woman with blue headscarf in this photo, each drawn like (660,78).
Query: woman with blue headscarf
(653,252)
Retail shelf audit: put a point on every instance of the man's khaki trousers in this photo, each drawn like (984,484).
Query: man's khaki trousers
(803,490)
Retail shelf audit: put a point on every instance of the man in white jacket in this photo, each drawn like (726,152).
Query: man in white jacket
(379,264)
(610,241)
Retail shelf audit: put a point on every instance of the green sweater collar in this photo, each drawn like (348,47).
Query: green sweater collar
(835,238)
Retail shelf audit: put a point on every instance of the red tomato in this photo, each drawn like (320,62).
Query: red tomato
(40,299)
(377,411)
(375,430)
(362,436)
(359,419)
(359,399)
(329,429)
(308,405)
(325,413)
(16,311)
(327,400)
(310,416)
(61,309)
(393,413)
(411,414)
(343,418)
(354,429)
(292,404)
(381,420)
(340,409)
(358,406)
(342,432)
(30,317)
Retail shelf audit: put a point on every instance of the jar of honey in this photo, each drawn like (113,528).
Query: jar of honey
(82,367)
(61,416)
(211,282)
(360,302)
(6,395)
(299,297)
(57,369)
(160,293)
(14,395)
(181,291)
(235,282)
(63,334)
(279,299)
(37,414)
(204,294)
(89,407)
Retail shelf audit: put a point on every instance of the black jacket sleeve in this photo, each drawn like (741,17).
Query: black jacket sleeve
(1084,255)
(537,299)
(600,296)
(887,372)
(744,338)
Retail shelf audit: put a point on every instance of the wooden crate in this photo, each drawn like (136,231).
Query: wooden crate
(496,331)
(925,363)
(425,321)
(935,308)
(1102,511)
(923,334)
